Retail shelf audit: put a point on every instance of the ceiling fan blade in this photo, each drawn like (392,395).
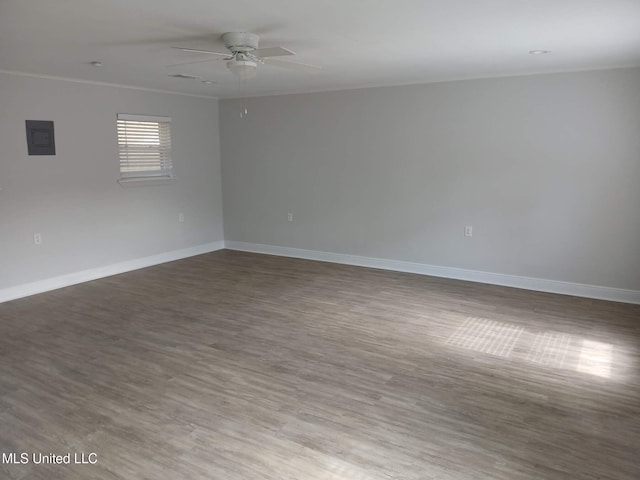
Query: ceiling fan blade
(295,66)
(194,62)
(272,52)
(195,50)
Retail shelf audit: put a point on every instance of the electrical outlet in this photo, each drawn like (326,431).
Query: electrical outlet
(468,231)
(181,217)
(289,217)
(37,238)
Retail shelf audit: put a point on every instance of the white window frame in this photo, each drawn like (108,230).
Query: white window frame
(140,162)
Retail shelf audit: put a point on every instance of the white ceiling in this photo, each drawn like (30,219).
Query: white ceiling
(357,42)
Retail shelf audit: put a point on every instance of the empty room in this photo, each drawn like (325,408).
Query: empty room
(322,240)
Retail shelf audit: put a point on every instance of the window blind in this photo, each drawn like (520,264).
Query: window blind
(144,145)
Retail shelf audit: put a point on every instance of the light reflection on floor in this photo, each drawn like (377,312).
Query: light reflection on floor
(595,358)
(549,349)
(487,336)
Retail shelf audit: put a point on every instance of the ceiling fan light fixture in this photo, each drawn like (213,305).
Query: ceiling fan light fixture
(243,69)
(244,56)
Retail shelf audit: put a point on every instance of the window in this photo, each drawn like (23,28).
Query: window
(144,146)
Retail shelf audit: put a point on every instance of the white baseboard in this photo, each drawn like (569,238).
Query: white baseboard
(61,281)
(527,283)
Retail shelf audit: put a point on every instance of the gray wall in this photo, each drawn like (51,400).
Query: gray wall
(86,218)
(545,168)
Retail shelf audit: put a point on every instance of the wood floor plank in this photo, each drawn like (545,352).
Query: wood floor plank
(241,366)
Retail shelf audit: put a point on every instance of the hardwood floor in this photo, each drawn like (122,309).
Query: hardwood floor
(241,366)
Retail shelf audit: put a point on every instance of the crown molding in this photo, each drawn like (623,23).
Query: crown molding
(103,84)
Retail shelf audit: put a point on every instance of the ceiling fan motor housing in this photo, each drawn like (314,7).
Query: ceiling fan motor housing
(241,41)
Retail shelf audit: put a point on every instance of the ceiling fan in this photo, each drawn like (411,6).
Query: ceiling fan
(244,56)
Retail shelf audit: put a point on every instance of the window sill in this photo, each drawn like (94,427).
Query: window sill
(145,181)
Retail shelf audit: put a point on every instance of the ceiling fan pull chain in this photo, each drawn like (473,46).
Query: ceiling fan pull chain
(242,86)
